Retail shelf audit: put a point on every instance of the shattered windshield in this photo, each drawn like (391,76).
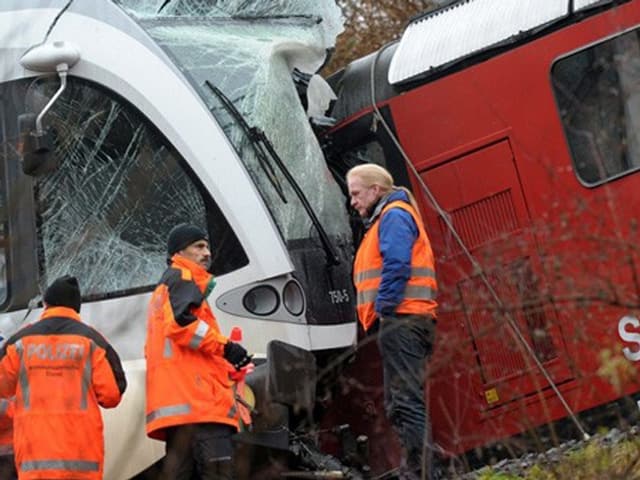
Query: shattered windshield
(249,52)
(117,190)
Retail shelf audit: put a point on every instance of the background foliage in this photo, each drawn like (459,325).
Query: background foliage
(370,24)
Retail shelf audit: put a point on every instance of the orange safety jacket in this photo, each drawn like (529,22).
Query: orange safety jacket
(60,370)
(187,376)
(6,426)
(421,288)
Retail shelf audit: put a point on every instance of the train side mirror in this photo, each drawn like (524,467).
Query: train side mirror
(36,141)
(36,148)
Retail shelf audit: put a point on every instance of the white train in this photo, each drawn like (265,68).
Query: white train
(118,122)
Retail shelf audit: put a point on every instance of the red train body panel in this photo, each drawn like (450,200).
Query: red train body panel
(492,140)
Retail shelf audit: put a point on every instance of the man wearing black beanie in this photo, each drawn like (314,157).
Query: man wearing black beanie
(63,292)
(60,372)
(191,401)
(183,235)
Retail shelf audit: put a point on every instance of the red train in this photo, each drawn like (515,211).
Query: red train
(517,126)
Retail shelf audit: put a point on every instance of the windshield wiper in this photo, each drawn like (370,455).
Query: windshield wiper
(254,139)
(166,2)
(260,143)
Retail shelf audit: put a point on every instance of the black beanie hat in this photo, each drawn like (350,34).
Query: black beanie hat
(183,235)
(63,292)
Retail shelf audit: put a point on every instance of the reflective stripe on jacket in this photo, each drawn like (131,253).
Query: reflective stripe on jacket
(421,288)
(6,426)
(60,370)
(187,377)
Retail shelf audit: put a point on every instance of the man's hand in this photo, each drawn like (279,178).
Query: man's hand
(236,355)
(240,375)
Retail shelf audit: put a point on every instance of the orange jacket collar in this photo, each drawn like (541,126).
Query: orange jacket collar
(200,275)
(60,312)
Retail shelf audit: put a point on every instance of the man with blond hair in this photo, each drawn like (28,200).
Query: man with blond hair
(395,281)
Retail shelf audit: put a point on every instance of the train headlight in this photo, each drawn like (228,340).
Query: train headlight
(293,298)
(261,300)
(280,299)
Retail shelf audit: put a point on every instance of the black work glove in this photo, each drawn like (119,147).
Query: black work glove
(236,355)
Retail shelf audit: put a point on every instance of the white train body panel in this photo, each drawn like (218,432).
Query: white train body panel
(117,55)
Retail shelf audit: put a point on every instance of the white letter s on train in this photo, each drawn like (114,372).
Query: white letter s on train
(632,354)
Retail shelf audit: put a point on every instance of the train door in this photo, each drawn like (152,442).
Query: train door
(481,192)
(18,263)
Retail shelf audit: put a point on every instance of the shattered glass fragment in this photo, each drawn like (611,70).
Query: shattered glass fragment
(249,50)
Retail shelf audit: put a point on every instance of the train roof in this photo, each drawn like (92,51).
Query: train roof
(439,38)
(451,38)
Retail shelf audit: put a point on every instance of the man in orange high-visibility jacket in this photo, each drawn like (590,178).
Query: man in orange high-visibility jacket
(60,371)
(7,462)
(191,401)
(396,286)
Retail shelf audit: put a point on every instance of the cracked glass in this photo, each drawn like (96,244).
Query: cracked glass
(119,187)
(3,236)
(248,50)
